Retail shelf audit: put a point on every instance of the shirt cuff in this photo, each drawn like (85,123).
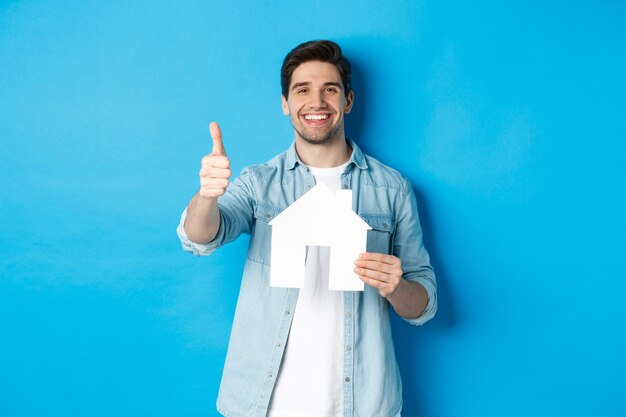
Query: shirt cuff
(198,249)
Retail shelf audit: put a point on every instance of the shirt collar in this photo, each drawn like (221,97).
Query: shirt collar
(357,157)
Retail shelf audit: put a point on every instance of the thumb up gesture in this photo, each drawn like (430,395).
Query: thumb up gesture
(215,170)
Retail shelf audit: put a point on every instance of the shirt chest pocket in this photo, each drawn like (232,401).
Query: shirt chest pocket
(379,239)
(261,237)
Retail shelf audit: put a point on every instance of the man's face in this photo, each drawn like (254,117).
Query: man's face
(317,102)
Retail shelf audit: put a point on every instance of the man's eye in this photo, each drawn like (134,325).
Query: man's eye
(302,90)
(331,90)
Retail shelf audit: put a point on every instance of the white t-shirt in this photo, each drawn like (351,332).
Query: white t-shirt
(309,382)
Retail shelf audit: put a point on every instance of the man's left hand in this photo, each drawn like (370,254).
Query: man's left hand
(383,272)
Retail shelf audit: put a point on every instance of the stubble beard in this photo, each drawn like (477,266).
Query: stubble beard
(323,140)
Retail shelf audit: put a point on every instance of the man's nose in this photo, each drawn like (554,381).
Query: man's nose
(318,100)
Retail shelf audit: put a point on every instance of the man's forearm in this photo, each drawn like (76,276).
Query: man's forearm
(409,299)
(203,219)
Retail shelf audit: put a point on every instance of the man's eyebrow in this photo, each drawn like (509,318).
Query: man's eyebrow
(308,83)
(301,84)
(334,83)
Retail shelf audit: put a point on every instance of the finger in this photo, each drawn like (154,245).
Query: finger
(384,289)
(373,265)
(213,172)
(372,274)
(214,183)
(377,266)
(372,282)
(391,269)
(216,135)
(379,257)
(215,161)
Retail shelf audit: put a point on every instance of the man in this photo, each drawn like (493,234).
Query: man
(313,352)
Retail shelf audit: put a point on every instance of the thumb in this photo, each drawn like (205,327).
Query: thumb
(216,135)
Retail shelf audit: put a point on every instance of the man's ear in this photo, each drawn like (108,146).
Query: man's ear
(349,102)
(285,105)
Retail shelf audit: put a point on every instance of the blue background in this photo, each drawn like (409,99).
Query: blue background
(507,117)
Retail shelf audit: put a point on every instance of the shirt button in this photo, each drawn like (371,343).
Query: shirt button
(348,348)
(347,379)
(348,314)
(269,375)
(287,312)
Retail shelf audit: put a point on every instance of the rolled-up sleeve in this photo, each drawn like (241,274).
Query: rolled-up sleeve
(236,208)
(198,249)
(408,246)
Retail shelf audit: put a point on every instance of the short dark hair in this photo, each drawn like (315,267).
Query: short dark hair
(320,50)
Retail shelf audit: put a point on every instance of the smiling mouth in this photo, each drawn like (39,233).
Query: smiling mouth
(316,117)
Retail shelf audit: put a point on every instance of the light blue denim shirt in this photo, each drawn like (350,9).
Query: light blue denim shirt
(385,200)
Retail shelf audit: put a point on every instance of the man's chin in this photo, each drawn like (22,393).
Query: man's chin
(321,139)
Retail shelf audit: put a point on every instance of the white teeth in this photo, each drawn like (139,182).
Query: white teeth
(316,116)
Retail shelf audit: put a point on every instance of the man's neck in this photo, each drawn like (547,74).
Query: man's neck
(327,155)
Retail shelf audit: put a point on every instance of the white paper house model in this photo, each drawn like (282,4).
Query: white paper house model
(320,217)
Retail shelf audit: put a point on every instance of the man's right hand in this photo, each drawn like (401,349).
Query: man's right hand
(215,170)
(203,216)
